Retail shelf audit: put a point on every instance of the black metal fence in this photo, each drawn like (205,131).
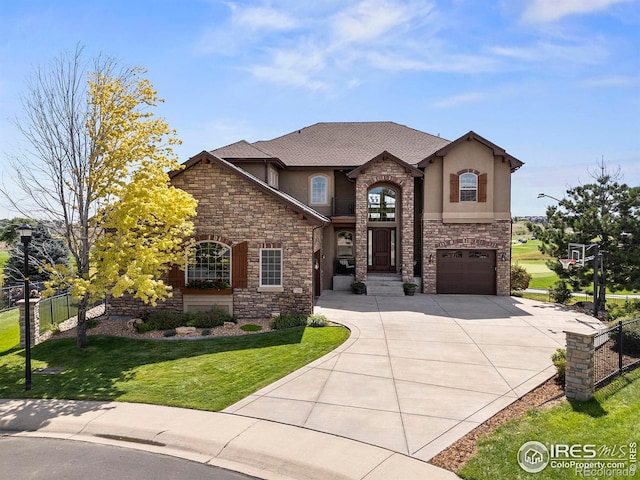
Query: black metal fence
(10,295)
(617,349)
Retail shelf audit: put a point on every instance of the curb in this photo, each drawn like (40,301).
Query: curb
(261,448)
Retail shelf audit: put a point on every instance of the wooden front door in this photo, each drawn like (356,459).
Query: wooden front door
(382,249)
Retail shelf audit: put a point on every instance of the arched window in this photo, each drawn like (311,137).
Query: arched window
(319,190)
(468,187)
(209,261)
(382,204)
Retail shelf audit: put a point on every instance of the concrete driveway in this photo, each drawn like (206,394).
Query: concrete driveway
(419,372)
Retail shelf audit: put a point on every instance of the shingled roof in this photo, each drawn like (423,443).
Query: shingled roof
(350,144)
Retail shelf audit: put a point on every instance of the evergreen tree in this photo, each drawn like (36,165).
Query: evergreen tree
(604,212)
(44,249)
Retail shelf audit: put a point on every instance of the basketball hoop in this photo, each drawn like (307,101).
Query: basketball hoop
(567,262)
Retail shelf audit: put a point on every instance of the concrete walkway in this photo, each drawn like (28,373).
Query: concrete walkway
(419,372)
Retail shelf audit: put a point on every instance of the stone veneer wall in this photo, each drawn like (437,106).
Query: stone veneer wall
(488,236)
(579,370)
(389,172)
(231,207)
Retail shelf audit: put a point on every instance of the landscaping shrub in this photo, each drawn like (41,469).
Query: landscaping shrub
(167,319)
(628,310)
(559,359)
(317,321)
(520,278)
(170,333)
(630,339)
(560,293)
(250,327)
(289,320)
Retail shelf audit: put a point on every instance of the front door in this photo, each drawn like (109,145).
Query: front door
(382,249)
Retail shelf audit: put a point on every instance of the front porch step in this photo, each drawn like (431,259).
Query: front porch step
(385,286)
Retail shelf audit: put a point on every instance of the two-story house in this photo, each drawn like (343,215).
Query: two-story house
(283,219)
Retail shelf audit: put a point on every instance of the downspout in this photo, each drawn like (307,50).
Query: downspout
(313,267)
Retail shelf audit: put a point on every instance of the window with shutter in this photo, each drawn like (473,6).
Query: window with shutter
(482,187)
(239,262)
(454,187)
(175,277)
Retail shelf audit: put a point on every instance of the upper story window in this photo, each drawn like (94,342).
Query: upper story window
(209,261)
(382,204)
(468,187)
(319,190)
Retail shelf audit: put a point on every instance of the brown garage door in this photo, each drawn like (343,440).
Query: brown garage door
(466,271)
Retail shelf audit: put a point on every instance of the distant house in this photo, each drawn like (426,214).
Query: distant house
(282,220)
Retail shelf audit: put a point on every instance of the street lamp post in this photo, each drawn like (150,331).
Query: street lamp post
(540,195)
(25,237)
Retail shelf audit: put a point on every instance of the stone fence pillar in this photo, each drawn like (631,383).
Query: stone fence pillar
(34,322)
(579,373)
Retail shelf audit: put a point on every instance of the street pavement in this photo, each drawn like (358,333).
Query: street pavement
(416,374)
(55,459)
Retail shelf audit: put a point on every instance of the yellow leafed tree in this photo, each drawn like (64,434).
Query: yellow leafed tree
(100,179)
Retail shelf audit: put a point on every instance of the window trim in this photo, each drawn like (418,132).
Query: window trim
(465,188)
(271,288)
(397,194)
(326,189)
(189,266)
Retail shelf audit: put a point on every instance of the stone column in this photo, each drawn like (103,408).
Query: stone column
(34,322)
(579,374)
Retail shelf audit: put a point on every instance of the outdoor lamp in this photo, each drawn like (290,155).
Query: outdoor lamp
(25,232)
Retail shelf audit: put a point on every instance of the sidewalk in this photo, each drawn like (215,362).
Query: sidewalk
(260,448)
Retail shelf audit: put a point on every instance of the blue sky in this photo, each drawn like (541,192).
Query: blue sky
(554,82)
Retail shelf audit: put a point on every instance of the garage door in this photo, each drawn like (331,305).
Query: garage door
(466,271)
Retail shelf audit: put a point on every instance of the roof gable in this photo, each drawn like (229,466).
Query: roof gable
(305,212)
(414,172)
(473,136)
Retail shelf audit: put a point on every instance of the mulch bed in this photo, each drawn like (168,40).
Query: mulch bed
(458,454)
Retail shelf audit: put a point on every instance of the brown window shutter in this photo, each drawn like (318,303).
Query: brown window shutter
(454,188)
(239,265)
(175,277)
(482,187)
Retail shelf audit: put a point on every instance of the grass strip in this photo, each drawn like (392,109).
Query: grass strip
(206,374)
(611,418)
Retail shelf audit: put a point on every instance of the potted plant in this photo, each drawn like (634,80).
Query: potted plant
(359,288)
(409,288)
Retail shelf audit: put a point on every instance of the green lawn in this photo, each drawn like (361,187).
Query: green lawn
(9,330)
(611,418)
(206,374)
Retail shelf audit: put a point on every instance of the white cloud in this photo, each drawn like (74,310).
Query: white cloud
(461,99)
(294,68)
(541,11)
(612,81)
(550,53)
(369,20)
(264,18)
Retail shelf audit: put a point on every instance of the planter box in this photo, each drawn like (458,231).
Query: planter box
(206,291)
